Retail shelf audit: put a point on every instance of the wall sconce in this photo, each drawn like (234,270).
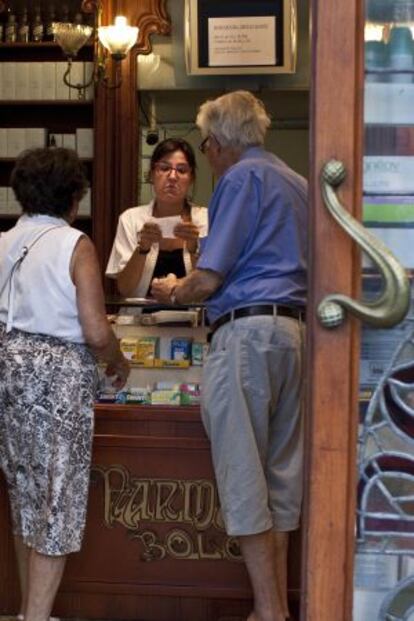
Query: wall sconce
(115,41)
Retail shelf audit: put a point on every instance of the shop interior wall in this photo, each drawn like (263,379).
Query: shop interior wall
(168,101)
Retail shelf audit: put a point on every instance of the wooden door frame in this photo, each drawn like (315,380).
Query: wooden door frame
(333,355)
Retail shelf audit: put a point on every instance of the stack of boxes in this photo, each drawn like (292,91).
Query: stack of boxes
(44,81)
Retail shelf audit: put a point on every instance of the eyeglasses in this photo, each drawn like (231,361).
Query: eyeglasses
(204,145)
(164,168)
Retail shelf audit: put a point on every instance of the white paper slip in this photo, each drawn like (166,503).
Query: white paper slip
(167,224)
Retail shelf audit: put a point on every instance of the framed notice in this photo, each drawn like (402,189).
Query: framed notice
(225,37)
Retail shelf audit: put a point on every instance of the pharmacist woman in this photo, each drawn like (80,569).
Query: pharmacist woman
(141,251)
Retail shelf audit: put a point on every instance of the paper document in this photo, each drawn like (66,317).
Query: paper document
(167,224)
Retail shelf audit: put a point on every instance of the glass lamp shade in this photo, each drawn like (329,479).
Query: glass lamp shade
(71,37)
(118,38)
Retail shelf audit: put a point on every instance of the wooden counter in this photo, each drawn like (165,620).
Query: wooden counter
(154,547)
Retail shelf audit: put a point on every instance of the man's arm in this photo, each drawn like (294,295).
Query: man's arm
(196,287)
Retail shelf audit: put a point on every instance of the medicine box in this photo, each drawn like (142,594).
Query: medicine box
(181,348)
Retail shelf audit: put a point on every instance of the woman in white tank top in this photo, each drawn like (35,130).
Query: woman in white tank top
(53,327)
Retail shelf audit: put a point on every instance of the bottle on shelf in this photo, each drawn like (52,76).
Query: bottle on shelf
(50,18)
(401,54)
(400,43)
(1,31)
(37,25)
(64,13)
(78,19)
(10,31)
(23,28)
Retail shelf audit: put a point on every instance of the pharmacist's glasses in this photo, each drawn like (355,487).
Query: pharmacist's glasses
(165,169)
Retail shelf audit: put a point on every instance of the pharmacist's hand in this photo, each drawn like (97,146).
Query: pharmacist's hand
(161,288)
(149,234)
(189,232)
(120,369)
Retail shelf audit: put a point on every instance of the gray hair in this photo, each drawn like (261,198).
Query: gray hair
(237,119)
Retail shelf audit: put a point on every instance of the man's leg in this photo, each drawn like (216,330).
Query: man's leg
(44,576)
(258,554)
(22,556)
(281,544)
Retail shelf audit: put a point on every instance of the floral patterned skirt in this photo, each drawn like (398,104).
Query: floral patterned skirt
(47,392)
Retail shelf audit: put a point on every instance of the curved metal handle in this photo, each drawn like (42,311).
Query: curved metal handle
(393,304)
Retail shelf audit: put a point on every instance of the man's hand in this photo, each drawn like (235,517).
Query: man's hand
(161,288)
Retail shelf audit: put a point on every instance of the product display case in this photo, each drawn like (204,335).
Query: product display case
(383,562)
(36,108)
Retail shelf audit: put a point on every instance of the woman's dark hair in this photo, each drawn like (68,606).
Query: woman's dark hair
(166,147)
(47,181)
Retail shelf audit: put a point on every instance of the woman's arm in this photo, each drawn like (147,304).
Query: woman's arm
(98,334)
(128,280)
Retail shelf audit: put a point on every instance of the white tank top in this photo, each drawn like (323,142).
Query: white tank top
(38,294)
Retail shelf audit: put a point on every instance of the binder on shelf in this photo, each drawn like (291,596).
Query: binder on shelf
(9,80)
(89,90)
(69,141)
(35,81)
(3,200)
(76,77)
(22,81)
(35,137)
(48,80)
(16,141)
(3,142)
(85,206)
(62,91)
(13,206)
(84,142)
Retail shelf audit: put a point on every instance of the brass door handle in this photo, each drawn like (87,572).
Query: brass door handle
(393,303)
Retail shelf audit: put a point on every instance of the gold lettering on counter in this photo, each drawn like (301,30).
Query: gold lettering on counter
(191,507)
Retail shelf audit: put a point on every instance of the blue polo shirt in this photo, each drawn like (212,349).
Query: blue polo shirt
(257,235)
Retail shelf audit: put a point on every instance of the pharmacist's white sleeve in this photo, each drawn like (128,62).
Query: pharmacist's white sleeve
(130,224)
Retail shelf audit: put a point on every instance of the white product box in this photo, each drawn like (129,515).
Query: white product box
(388,174)
(388,103)
(375,571)
(89,90)
(3,142)
(22,81)
(76,77)
(35,137)
(35,81)
(62,91)
(3,200)
(367,604)
(16,141)
(13,206)
(85,205)
(400,240)
(9,80)
(48,81)
(84,142)
(69,141)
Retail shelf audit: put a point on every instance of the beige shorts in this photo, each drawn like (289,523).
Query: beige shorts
(251,410)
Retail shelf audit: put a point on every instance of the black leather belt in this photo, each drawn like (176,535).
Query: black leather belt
(260,309)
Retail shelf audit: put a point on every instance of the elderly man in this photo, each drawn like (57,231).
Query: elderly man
(252,275)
